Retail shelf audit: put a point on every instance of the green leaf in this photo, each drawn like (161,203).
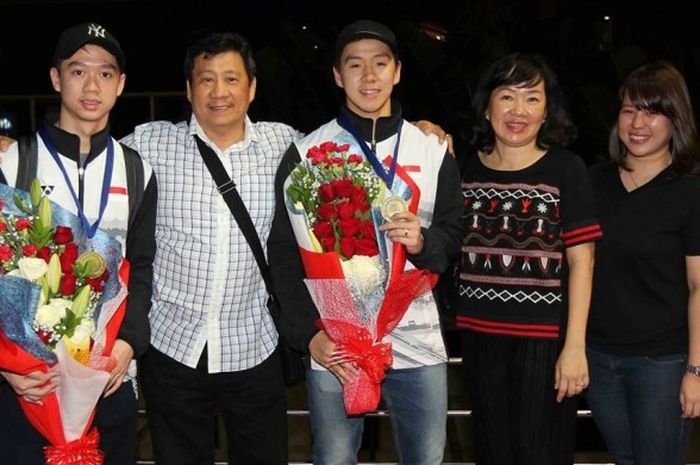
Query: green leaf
(22,206)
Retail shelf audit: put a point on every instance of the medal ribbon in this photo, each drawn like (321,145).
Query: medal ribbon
(88,229)
(388,177)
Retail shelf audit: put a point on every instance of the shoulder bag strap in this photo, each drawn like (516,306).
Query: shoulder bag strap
(227,189)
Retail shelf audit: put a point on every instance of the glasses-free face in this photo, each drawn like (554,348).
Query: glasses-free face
(644,132)
(517,113)
(89,82)
(368,72)
(220,93)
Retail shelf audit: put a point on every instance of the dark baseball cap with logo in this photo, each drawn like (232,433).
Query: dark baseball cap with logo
(75,37)
(365,29)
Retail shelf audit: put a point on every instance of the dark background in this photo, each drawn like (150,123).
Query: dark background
(293,45)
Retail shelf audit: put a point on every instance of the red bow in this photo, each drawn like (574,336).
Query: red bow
(375,361)
(82,451)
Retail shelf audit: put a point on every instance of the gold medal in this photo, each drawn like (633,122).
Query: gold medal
(392,206)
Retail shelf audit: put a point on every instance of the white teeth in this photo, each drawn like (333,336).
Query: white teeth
(636,138)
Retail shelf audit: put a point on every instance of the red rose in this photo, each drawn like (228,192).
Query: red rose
(328,244)
(316,155)
(367,229)
(29,250)
(362,207)
(358,194)
(105,276)
(63,235)
(327,212)
(68,257)
(343,187)
(44,253)
(3,226)
(349,227)
(347,247)
(328,146)
(95,284)
(346,210)
(67,286)
(323,229)
(342,148)
(5,253)
(326,192)
(355,159)
(22,224)
(366,246)
(45,336)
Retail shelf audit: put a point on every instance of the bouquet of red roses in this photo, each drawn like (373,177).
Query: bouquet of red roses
(61,306)
(360,289)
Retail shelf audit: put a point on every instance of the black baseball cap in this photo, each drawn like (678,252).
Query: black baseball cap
(87,33)
(365,29)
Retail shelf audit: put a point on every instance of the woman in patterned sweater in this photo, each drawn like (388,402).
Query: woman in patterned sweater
(526,268)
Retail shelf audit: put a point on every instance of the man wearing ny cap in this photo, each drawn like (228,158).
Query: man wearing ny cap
(367,68)
(73,152)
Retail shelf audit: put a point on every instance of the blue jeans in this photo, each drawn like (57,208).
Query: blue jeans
(417,402)
(635,404)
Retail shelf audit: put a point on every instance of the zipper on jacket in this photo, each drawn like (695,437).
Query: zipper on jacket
(81,178)
(374,138)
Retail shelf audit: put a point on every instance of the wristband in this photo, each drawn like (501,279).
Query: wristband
(694,369)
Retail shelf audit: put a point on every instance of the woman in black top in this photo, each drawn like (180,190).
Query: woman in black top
(527,260)
(644,327)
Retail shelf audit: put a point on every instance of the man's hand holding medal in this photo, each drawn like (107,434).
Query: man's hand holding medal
(402,226)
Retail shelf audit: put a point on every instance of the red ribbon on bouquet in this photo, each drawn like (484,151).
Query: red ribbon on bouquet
(372,356)
(46,417)
(82,451)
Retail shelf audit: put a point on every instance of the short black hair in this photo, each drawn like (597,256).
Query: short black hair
(216,43)
(522,70)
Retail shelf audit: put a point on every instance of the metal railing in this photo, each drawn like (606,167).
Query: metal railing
(383,413)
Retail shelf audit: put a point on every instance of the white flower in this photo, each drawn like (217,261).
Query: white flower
(364,274)
(32,268)
(85,330)
(51,314)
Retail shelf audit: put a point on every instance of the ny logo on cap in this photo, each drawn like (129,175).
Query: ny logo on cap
(96,30)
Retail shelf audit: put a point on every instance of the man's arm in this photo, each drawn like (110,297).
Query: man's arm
(134,335)
(442,239)
(298,312)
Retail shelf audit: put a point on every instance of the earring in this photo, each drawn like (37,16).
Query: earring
(486,115)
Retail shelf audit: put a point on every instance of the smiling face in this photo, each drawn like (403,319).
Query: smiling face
(220,93)
(516,114)
(367,72)
(645,133)
(89,82)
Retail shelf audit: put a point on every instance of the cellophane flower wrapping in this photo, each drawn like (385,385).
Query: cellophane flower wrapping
(358,297)
(65,416)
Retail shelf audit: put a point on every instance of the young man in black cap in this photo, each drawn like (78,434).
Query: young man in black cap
(367,68)
(74,155)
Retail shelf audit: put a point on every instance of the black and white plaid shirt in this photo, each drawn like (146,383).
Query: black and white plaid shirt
(207,285)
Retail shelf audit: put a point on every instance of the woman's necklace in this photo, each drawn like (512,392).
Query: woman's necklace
(631,176)
(644,180)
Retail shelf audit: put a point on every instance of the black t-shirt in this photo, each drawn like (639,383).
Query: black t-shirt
(518,225)
(640,290)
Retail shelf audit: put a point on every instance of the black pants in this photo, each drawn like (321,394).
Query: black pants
(181,404)
(517,420)
(21,444)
